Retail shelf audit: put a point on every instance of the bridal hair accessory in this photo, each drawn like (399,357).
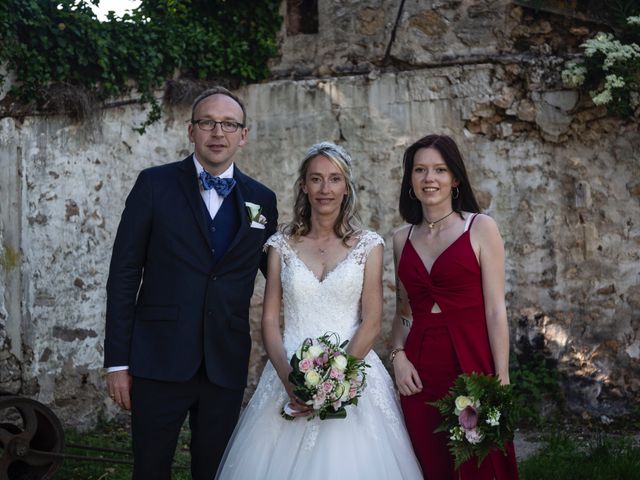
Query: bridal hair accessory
(457,193)
(433,224)
(479,415)
(325,377)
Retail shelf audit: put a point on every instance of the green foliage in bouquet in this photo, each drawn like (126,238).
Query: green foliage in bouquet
(326,377)
(479,414)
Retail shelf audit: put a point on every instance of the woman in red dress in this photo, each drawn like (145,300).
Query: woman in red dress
(450,312)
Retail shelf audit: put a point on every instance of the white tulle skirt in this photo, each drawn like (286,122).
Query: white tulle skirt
(371,443)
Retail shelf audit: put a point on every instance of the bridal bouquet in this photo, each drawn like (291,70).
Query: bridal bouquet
(479,415)
(326,377)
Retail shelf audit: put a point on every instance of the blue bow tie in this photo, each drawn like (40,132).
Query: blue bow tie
(222,186)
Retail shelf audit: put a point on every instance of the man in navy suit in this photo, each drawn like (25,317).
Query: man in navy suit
(182,273)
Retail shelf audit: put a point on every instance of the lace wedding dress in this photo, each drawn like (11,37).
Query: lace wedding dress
(371,442)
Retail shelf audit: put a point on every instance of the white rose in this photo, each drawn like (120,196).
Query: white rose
(315,351)
(312,378)
(340,362)
(462,402)
(346,386)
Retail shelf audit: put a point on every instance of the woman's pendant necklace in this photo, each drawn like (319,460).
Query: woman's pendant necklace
(433,224)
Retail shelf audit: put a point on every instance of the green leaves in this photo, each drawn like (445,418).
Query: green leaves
(46,43)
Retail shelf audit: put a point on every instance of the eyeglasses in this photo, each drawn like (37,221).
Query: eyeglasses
(207,125)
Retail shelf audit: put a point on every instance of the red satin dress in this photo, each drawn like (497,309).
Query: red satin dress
(443,345)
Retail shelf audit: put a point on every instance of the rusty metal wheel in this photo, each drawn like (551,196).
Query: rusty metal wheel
(31,440)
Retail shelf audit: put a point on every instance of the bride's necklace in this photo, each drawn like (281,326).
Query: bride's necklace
(433,224)
(324,250)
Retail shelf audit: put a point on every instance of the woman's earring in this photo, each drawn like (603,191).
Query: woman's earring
(455,194)
(412,195)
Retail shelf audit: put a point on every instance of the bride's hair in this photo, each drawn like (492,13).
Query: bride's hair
(348,222)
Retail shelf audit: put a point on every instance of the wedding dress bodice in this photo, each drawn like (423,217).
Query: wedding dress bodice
(313,306)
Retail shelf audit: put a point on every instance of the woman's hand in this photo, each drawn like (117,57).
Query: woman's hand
(407,378)
(296,406)
(504,378)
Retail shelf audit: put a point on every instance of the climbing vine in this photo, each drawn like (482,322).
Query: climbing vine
(65,60)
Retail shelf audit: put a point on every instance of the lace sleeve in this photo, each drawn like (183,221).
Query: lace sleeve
(367,241)
(279,242)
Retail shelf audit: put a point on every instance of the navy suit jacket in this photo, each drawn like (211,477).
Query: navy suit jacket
(169,306)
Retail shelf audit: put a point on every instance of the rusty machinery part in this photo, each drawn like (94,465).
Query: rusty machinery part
(31,438)
(32,442)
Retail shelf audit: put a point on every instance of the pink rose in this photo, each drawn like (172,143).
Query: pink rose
(327,387)
(305,364)
(468,418)
(337,374)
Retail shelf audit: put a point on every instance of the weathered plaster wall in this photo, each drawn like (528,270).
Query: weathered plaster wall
(559,176)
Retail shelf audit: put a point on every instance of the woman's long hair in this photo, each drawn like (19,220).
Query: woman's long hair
(348,222)
(411,208)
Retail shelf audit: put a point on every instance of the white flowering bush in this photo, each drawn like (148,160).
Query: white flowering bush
(610,71)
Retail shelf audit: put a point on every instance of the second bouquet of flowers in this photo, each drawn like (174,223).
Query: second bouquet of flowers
(326,377)
(479,414)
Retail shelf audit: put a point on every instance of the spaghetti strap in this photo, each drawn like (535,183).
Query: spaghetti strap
(470,220)
(410,230)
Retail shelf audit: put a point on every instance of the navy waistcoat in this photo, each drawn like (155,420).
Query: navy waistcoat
(224,226)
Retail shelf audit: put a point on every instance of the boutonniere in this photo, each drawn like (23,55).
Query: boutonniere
(255,213)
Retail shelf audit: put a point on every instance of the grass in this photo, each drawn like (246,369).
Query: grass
(562,456)
(601,457)
(117,437)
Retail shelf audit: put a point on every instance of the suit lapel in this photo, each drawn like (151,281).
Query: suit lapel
(240,207)
(189,183)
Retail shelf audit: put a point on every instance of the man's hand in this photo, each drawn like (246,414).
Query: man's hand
(119,388)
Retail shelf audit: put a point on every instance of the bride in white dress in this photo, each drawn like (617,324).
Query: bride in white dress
(327,274)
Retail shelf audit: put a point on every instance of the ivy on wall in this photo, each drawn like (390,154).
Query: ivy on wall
(65,60)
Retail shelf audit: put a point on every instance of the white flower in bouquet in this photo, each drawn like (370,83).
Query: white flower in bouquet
(493,417)
(315,351)
(457,434)
(312,378)
(462,402)
(345,388)
(339,362)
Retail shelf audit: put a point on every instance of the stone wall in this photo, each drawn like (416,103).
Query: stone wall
(558,175)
